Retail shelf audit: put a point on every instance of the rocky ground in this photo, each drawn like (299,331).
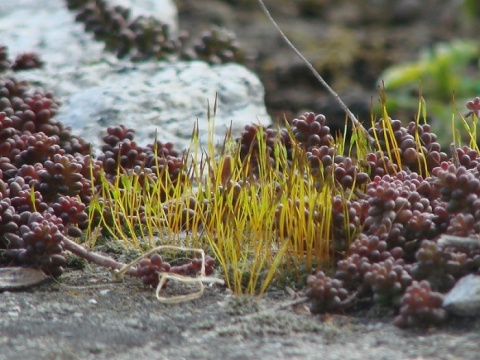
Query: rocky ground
(86,316)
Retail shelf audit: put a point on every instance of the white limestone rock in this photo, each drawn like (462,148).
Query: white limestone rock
(98,90)
(167,97)
(48,28)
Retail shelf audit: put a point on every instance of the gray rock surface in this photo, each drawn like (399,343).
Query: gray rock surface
(464,298)
(98,90)
(86,316)
(49,28)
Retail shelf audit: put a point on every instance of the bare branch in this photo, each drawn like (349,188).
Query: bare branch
(95,257)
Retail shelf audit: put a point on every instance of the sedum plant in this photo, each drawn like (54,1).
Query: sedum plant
(259,218)
(440,72)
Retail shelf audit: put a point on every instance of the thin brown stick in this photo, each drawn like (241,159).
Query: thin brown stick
(94,257)
(355,122)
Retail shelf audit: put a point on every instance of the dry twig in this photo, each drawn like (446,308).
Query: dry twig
(355,122)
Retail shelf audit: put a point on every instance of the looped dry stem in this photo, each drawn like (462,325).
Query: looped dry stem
(164,276)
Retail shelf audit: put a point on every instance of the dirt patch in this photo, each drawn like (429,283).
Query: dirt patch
(88,317)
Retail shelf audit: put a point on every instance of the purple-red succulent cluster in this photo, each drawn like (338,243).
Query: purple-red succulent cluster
(120,151)
(216,46)
(5,63)
(27,61)
(420,306)
(406,193)
(23,61)
(417,147)
(252,150)
(150,268)
(40,179)
(474,106)
(145,37)
(329,293)
(396,260)
(48,175)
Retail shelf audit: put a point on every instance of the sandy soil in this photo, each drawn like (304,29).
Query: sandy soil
(86,316)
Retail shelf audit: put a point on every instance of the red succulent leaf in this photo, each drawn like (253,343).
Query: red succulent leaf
(474,106)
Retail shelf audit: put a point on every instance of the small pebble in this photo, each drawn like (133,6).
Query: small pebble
(14,311)
(464,298)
